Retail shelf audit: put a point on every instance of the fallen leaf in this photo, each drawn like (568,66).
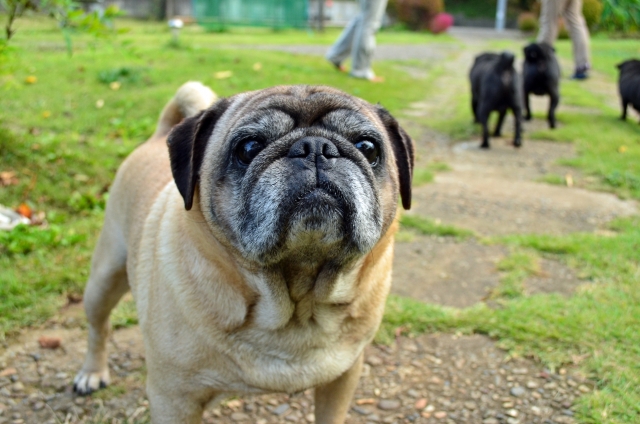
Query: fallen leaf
(100,104)
(31,79)
(223,74)
(47,342)
(622,149)
(46,114)
(257,66)
(578,359)
(38,218)
(24,210)
(368,401)
(8,178)
(8,371)
(399,331)
(234,403)
(74,297)
(569,180)
(115,85)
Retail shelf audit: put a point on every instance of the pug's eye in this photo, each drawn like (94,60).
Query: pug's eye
(370,151)
(248,150)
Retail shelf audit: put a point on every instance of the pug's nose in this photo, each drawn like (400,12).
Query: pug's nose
(314,149)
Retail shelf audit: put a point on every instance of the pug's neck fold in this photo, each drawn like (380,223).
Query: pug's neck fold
(298,287)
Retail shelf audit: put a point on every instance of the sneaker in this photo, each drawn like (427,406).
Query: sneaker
(580,75)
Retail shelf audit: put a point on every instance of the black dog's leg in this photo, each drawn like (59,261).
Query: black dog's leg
(527,107)
(624,110)
(498,131)
(474,107)
(553,104)
(517,113)
(483,118)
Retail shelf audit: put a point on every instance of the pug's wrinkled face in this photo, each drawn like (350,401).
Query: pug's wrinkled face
(297,171)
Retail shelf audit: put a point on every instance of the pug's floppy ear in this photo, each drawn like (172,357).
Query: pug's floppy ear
(187,142)
(403,151)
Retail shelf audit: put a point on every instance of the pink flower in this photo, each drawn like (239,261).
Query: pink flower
(440,23)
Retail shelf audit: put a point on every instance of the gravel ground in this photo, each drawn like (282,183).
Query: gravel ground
(435,378)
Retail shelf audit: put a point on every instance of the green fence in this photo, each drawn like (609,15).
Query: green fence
(216,14)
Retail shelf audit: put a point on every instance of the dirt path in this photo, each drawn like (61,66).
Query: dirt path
(430,379)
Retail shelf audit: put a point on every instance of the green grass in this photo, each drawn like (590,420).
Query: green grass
(138,33)
(427,226)
(414,317)
(124,314)
(606,53)
(425,175)
(515,269)
(600,321)
(553,179)
(33,282)
(607,148)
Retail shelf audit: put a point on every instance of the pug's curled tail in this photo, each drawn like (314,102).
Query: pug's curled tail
(191,98)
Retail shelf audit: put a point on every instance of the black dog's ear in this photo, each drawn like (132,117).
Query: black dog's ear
(507,58)
(530,51)
(403,150)
(187,142)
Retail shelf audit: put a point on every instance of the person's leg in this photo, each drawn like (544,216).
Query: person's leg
(341,49)
(549,12)
(364,42)
(579,33)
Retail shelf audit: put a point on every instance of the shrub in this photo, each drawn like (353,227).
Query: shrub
(527,22)
(592,11)
(621,15)
(392,9)
(417,14)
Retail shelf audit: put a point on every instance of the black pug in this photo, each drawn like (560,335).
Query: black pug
(541,75)
(495,87)
(629,85)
